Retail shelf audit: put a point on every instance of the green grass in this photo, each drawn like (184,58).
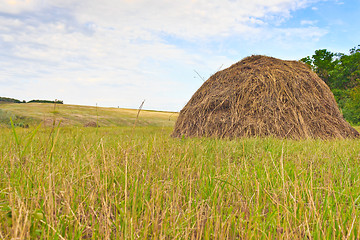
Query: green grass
(125,183)
(75,115)
(19,121)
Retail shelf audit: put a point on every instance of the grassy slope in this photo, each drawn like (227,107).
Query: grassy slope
(80,115)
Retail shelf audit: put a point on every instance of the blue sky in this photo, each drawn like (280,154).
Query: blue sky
(120,52)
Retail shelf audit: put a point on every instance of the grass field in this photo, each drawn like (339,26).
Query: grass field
(75,115)
(138,183)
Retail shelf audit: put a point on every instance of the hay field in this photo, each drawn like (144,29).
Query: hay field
(124,183)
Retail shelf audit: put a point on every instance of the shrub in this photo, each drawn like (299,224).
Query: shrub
(19,121)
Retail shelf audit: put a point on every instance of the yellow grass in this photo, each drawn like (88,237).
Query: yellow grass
(80,115)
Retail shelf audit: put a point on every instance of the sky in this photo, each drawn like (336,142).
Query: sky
(117,53)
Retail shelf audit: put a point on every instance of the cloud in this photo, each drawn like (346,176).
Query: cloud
(188,19)
(339,2)
(18,6)
(87,51)
(308,22)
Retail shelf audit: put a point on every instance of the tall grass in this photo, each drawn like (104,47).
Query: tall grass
(70,184)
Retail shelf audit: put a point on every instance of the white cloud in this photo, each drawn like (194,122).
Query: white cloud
(18,6)
(131,50)
(189,19)
(308,22)
(339,2)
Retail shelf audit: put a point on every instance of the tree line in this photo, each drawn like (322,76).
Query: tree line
(341,72)
(13,100)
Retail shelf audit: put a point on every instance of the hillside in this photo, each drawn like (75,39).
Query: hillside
(75,115)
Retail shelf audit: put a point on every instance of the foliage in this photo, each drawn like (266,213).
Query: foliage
(352,106)
(322,63)
(342,74)
(10,100)
(13,100)
(46,101)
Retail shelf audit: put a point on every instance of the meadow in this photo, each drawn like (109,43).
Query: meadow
(76,115)
(136,182)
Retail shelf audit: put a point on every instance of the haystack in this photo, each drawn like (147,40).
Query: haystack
(263,96)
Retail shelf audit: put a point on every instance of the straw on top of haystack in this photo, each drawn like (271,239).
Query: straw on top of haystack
(262,96)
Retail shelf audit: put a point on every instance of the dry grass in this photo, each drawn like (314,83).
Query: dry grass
(120,183)
(264,96)
(75,115)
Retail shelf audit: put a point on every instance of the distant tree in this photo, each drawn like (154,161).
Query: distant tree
(9,100)
(46,101)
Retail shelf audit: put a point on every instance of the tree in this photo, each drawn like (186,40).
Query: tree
(9,100)
(352,106)
(341,72)
(309,61)
(323,63)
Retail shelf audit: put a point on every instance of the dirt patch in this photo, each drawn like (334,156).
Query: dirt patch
(91,124)
(49,122)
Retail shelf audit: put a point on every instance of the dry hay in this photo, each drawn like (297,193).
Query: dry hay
(91,124)
(263,96)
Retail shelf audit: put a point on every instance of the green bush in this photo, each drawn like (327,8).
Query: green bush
(5,117)
(19,121)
